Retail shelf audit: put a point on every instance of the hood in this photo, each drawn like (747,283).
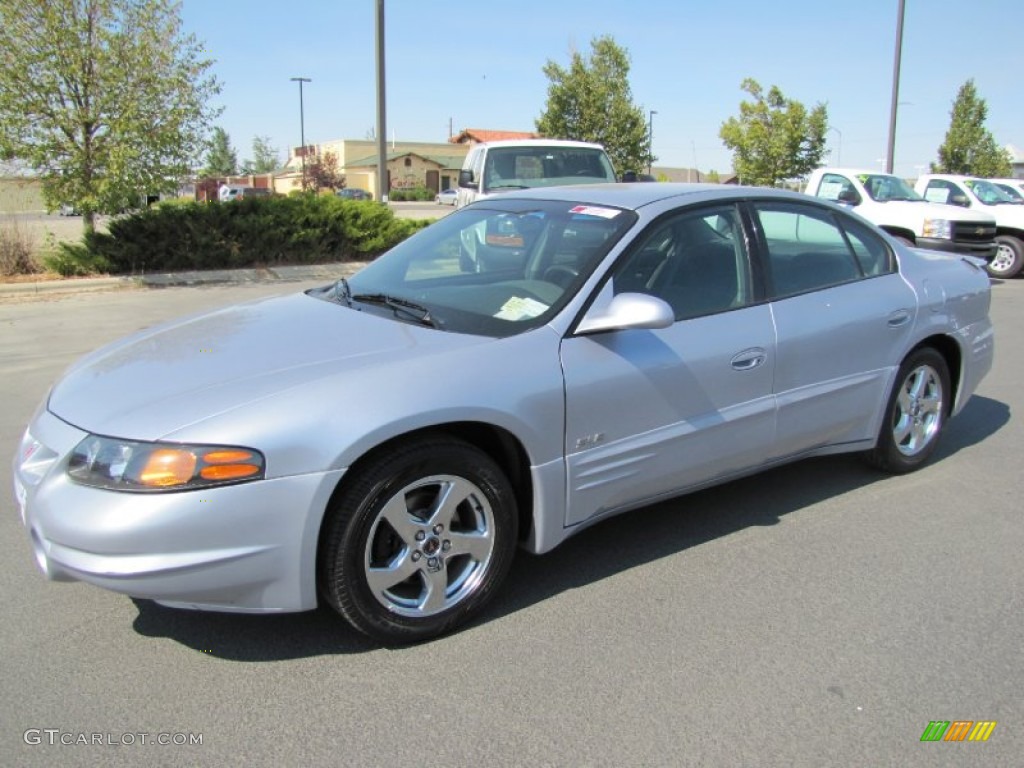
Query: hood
(163,379)
(926,209)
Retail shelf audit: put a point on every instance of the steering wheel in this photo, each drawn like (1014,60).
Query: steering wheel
(560,274)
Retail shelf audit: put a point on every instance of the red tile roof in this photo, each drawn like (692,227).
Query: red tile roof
(475,135)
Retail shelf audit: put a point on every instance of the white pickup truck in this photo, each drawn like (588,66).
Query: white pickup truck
(982,196)
(891,204)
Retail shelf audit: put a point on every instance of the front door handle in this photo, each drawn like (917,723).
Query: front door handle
(749,359)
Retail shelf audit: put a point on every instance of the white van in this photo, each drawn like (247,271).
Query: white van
(498,166)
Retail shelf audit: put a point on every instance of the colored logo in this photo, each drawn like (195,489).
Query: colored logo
(958,730)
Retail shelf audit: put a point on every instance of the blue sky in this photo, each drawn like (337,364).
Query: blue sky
(479,65)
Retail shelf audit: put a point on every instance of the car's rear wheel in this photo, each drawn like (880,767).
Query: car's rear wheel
(1009,258)
(419,541)
(915,414)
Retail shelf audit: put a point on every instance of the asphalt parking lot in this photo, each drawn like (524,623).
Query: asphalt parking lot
(817,615)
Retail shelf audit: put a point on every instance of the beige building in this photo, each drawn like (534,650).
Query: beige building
(409,163)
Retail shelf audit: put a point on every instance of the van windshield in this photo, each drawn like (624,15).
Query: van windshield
(526,167)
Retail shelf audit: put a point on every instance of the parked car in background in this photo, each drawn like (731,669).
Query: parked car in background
(501,166)
(68,209)
(446,197)
(250,192)
(352,193)
(890,203)
(383,444)
(1013,187)
(983,196)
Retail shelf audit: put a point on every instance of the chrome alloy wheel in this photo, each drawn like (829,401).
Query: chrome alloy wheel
(430,546)
(1004,259)
(917,416)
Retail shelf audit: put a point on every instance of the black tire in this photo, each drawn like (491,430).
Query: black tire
(399,573)
(1009,258)
(915,414)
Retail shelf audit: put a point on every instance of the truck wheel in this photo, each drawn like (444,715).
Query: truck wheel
(1009,258)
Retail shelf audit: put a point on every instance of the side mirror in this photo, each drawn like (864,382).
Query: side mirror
(629,177)
(466,179)
(628,311)
(959,199)
(849,196)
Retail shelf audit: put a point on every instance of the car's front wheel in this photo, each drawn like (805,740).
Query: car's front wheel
(1009,258)
(419,541)
(915,414)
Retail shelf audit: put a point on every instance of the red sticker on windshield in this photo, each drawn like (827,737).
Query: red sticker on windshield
(593,210)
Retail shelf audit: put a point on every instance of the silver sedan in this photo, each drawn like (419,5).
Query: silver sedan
(511,374)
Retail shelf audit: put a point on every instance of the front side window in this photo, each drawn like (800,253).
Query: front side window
(696,261)
(808,249)
(942,191)
(838,189)
(494,269)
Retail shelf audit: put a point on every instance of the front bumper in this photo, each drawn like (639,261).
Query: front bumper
(249,547)
(983,250)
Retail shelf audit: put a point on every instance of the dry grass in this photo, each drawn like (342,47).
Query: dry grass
(17,249)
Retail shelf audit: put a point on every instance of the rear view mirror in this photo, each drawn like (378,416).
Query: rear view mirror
(466,179)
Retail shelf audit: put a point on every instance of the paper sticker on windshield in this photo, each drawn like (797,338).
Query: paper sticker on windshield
(593,210)
(519,308)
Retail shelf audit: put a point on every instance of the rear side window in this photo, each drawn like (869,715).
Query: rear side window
(810,248)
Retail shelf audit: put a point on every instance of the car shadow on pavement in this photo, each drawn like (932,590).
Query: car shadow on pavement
(608,548)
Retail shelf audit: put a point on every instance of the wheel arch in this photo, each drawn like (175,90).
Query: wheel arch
(950,350)
(503,447)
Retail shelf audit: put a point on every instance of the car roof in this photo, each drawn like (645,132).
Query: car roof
(541,143)
(857,171)
(633,196)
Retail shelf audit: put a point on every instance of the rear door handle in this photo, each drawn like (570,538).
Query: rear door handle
(899,317)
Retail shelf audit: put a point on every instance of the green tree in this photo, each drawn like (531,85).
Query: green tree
(774,138)
(969,147)
(592,101)
(221,159)
(104,99)
(265,158)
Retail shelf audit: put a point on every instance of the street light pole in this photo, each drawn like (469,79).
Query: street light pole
(302,126)
(650,142)
(839,147)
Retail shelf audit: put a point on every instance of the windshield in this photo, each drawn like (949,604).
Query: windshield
(987,192)
(882,188)
(1013,192)
(540,166)
(490,269)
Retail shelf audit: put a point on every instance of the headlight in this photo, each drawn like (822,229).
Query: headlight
(125,465)
(939,228)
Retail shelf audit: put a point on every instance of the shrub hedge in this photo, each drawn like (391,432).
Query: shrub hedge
(411,193)
(261,231)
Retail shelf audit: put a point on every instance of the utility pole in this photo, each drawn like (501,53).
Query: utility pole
(382,133)
(302,126)
(895,89)
(650,142)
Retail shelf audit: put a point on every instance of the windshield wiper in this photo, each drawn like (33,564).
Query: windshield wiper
(341,292)
(507,186)
(417,312)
